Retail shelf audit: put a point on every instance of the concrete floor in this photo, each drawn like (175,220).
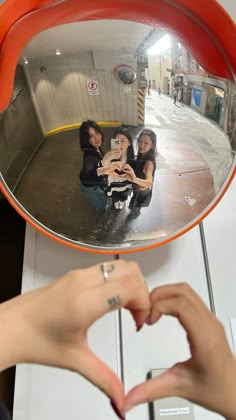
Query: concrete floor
(193,160)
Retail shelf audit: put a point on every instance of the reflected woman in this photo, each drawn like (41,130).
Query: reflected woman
(119,188)
(96,165)
(142,173)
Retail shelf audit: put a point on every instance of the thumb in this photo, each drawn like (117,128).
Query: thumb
(98,373)
(165,385)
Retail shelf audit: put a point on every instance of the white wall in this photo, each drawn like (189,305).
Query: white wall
(59,90)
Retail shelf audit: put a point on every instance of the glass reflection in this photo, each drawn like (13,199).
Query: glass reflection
(191,114)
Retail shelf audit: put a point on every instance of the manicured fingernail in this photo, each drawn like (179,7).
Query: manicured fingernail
(138,327)
(117,411)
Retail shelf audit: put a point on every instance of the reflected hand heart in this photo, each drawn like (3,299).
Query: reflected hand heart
(119,172)
(120,166)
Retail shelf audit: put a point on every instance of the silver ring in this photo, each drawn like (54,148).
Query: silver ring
(106,269)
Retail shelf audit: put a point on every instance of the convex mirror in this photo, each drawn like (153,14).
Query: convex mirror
(67,75)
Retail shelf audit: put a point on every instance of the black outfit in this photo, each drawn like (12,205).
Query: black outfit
(88,174)
(175,94)
(141,198)
(92,186)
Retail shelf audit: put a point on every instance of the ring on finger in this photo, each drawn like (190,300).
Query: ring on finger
(106,269)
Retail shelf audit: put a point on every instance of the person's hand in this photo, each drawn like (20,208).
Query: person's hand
(109,156)
(129,173)
(109,169)
(119,171)
(208,378)
(49,325)
(119,165)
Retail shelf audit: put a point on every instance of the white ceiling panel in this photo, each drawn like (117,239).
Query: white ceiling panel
(87,36)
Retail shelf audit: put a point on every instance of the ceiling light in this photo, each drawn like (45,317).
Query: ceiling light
(58,52)
(25,60)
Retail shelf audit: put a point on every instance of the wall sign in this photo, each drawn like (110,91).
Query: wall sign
(196,96)
(125,74)
(173,408)
(92,86)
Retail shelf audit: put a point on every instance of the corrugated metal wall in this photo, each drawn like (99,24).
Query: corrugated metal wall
(20,133)
(60,93)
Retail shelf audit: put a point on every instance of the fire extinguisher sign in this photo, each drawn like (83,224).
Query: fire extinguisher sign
(92,86)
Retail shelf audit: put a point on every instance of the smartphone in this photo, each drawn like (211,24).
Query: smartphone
(115,144)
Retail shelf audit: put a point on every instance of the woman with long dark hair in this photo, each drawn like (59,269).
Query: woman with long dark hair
(119,188)
(96,165)
(142,172)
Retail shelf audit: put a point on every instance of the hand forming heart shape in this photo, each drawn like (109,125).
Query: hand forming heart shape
(50,327)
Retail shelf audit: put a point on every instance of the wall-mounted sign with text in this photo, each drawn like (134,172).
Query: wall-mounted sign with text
(92,86)
(173,408)
(125,74)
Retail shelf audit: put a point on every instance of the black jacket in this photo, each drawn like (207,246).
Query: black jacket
(88,175)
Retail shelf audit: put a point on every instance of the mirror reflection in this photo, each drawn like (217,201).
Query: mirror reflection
(118,138)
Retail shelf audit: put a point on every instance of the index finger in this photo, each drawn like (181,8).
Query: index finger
(116,153)
(181,301)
